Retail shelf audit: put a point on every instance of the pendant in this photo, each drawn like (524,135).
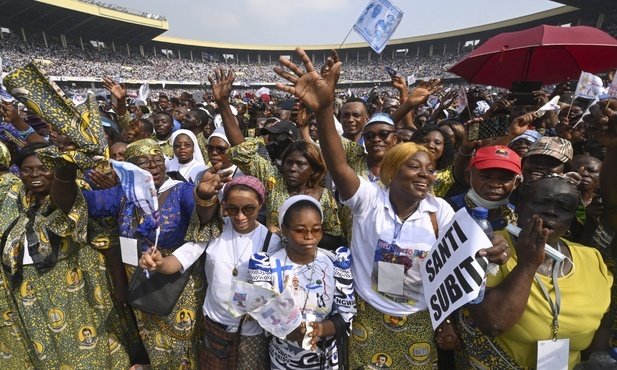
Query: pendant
(234,272)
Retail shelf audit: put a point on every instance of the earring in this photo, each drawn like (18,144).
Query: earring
(567,233)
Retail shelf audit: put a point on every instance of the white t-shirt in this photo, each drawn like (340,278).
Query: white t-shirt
(220,261)
(373,240)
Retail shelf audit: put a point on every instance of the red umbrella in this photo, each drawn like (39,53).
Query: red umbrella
(545,53)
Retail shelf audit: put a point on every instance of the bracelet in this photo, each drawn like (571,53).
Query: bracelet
(25,134)
(204,202)
(466,155)
(63,181)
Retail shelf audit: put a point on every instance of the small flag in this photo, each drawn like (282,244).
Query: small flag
(589,86)
(461,100)
(144,92)
(138,186)
(411,80)
(377,23)
(550,106)
(239,296)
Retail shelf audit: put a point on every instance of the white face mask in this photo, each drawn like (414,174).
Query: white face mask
(488,204)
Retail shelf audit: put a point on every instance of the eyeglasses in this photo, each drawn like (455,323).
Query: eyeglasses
(383,135)
(316,231)
(246,210)
(219,149)
(145,164)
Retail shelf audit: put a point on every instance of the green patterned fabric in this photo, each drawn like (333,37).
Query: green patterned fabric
(64,314)
(405,342)
(143,147)
(82,124)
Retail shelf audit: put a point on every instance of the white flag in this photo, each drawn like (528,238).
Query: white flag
(144,92)
(377,23)
(411,80)
(550,106)
(589,86)
(612,88)
(461,100)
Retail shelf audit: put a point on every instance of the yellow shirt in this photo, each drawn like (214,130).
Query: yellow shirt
(585,298)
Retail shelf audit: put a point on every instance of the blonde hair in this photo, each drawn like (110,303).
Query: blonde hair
(395,157)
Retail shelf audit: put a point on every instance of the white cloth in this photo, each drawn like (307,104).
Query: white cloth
(219,267)
(374,220)
(188,170)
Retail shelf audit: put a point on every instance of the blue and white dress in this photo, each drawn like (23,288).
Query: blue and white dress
(323,288)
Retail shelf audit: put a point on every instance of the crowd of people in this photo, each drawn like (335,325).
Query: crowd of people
(92,61)
(295,224)
(124,9)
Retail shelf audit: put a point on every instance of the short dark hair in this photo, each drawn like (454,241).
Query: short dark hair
(357,100)
(298,208)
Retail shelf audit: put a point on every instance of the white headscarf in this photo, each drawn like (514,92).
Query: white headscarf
(188,170)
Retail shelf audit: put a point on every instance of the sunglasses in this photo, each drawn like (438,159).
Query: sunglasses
(246,210)
(219,149)
(383,134)
(316,231)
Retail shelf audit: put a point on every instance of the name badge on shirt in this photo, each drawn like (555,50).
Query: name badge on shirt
(553,354)
(390,278)
(130,254)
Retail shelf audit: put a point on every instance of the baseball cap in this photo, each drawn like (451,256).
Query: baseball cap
(555,147)
(282,127)
(380,118)
(529,135)
(497,156)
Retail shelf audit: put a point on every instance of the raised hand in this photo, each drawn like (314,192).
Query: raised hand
(101,180)
(602,122)
(117,90)
(221,88)
(330,62)
(9,112)
(421,93)
(519,125)
(314,90)
(530,243)
(212,181)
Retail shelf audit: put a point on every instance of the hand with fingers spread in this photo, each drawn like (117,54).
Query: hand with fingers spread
(222,84)
(119,91)
(399,83)
(211,182)
(421,93)
(315,91)
(519,125)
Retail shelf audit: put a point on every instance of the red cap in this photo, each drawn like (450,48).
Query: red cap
(497,156)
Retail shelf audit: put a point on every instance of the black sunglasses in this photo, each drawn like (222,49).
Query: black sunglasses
(247,210)
(219,149)
(383,134)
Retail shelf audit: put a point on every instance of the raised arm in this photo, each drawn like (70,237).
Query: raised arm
(317,93)
(119,92)
(221,89)
(417,96)
(12,116)
(504,304)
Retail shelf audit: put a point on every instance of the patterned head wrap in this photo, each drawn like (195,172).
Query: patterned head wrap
(250,181)
(5,157)
(31,86)
(142,147)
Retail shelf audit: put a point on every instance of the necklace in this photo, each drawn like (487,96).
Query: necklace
(234,272)
(310,280)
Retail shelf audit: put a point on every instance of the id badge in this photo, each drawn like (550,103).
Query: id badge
(553,355)
(128,247)
(390,278)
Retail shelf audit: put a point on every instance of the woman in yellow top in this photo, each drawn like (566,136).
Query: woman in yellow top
(534,300)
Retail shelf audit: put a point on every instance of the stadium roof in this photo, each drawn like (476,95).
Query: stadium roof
(601,6)
(75,18)
(534,19)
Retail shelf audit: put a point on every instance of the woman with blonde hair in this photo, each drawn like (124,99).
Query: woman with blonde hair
(393,230)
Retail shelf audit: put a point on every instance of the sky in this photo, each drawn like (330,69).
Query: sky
(318,22)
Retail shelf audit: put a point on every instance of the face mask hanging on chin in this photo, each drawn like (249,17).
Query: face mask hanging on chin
(488,204)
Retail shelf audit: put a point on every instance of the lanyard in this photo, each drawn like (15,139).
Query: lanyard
(555,306)
(398,226)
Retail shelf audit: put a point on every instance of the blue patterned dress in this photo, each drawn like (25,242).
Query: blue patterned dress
(171,341)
